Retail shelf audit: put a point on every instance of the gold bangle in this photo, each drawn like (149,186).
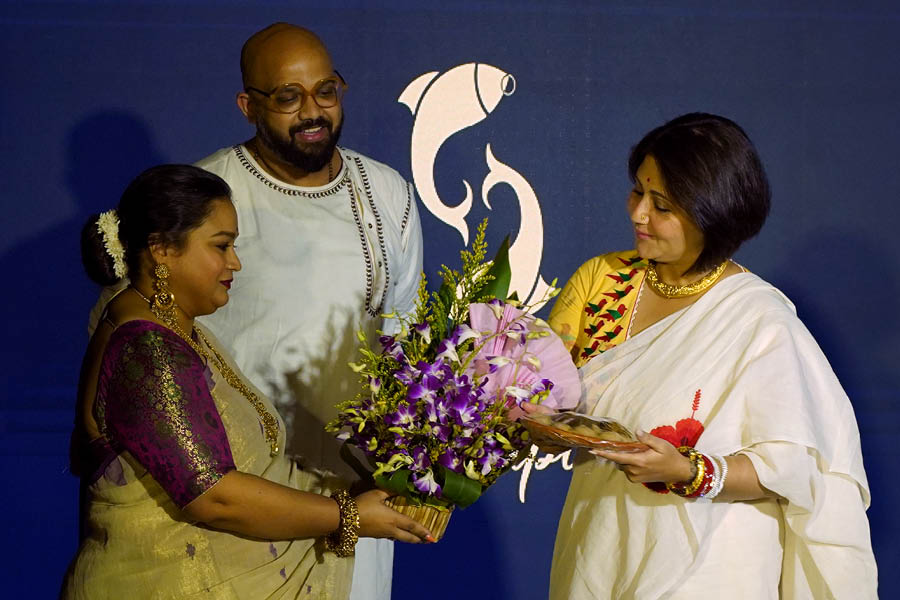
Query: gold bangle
(342,541)
(699,464)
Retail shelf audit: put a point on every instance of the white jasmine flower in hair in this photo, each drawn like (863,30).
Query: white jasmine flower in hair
(108,226)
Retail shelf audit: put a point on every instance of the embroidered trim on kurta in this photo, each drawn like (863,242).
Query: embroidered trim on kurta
(379,230)
(334,189)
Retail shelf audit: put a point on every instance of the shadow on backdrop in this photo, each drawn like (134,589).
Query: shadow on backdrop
(48,301)
(104,152)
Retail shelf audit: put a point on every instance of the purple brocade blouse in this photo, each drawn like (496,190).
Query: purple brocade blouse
(154,400)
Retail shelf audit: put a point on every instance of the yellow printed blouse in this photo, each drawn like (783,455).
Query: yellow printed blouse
(594,309)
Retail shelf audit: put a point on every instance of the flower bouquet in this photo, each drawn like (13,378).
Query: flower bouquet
(437,411)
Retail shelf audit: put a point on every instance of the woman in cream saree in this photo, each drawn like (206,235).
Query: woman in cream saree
(762,388)
(752,483)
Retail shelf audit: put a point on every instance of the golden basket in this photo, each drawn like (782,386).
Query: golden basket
(435,519)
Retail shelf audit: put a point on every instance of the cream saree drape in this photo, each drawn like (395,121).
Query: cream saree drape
(765,390)
(139,544)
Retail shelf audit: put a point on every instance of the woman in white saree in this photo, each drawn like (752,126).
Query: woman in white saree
(753,483)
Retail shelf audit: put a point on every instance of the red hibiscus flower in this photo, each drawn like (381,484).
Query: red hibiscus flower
(685,433)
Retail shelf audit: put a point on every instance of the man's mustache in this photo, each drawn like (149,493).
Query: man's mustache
(309,124)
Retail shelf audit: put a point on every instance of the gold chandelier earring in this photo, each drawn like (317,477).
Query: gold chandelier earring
(163,302)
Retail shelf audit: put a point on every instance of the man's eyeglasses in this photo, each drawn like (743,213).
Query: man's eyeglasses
(288,98)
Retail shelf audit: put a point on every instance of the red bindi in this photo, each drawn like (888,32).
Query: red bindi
(648,180)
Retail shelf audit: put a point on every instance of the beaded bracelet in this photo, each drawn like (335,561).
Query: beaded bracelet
(343,540)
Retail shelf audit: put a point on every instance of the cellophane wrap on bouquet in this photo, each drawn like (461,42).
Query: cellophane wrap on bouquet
(437,411)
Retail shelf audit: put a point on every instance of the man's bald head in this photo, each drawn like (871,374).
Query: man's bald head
(260,53)
(289,57)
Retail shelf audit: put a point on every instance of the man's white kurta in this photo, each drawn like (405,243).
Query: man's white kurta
(319,264)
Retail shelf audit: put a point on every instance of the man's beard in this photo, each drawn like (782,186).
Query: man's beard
(311,158)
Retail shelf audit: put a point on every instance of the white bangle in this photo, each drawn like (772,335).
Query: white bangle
(718,483)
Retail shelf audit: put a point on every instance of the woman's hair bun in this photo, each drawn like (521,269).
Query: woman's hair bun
(98,264)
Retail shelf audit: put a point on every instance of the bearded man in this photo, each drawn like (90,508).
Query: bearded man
(329,239)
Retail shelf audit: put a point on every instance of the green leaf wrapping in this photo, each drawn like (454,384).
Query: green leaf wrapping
(455,488)
(498,287)
(397,483)
(459,489)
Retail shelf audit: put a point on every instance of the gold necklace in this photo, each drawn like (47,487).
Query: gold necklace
(680,291)
(270,423)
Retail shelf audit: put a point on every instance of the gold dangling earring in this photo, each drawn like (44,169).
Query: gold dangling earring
(163,302)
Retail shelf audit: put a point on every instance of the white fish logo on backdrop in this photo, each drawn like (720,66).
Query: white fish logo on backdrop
(446,104)
(442,106)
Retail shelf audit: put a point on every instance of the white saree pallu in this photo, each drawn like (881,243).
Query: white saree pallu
(740,362)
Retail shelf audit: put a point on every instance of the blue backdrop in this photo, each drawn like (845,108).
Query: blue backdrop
(94,92)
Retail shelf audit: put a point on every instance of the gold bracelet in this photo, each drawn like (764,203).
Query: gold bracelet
(342,541)
(699,464)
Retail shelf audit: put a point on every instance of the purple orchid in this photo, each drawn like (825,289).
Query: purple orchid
(433,374)
(451,460)
(392,347)
(441,432)
(437,410)
(420,459)
(407,374)
(424,330)
(462,384)
(420,391)
(404,416)
(465,412)
(447,352)
(463,333)
(368,443)
(425,483)
(461,442)
(491,454)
